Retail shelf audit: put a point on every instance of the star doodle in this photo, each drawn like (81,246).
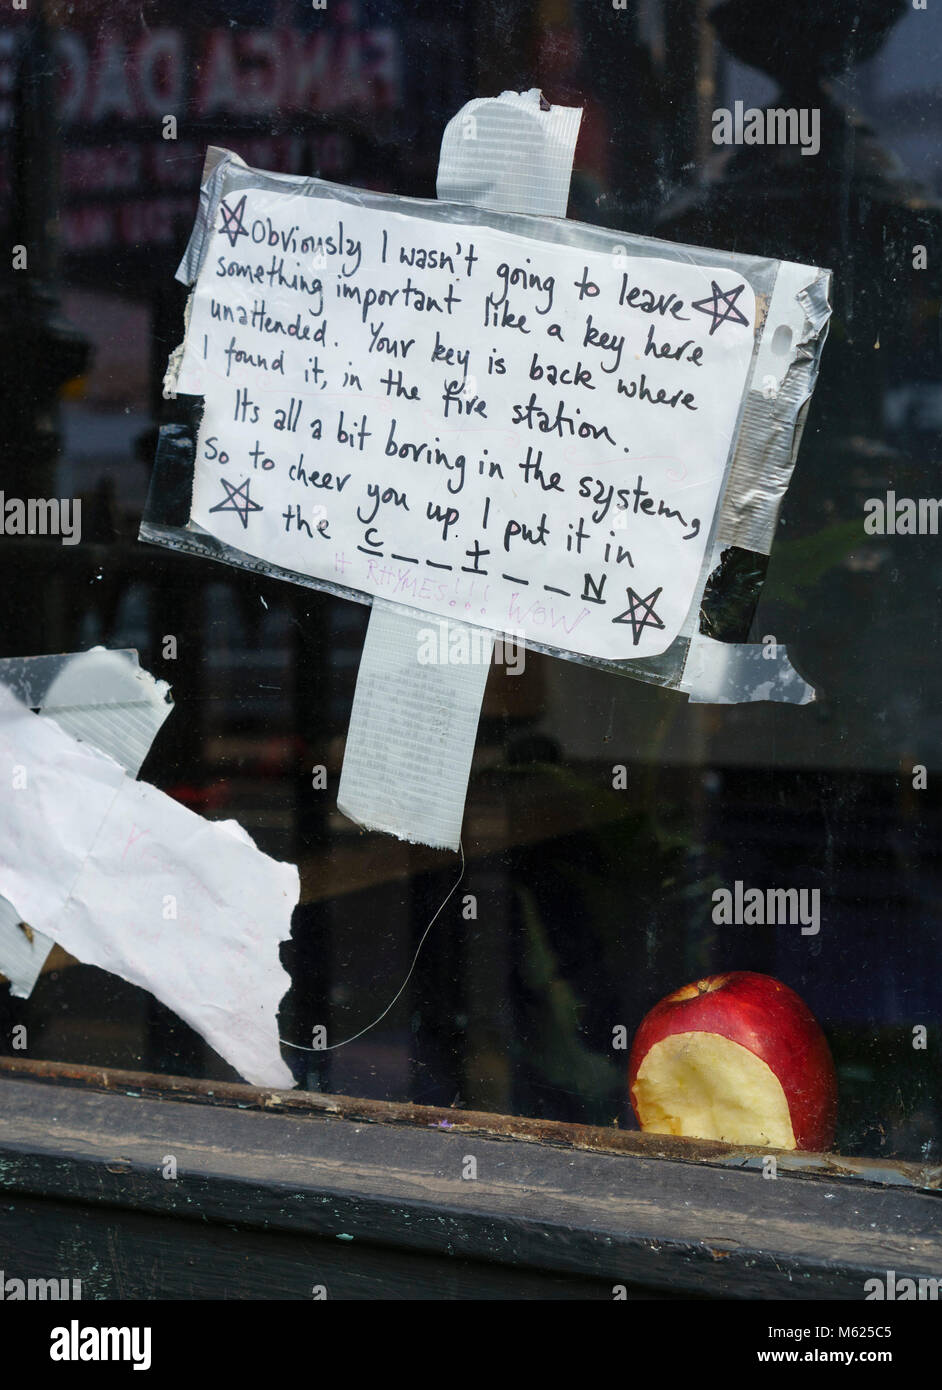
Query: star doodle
(237,500)
(232,220)
(648,616)
(729,313)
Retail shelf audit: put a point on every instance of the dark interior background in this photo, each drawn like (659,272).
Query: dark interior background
(591,902)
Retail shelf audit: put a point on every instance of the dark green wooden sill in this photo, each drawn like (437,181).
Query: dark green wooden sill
(279,1193)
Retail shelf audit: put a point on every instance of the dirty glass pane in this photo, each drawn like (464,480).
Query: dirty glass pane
(603,814)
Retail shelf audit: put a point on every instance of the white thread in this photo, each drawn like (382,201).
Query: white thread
(452,890)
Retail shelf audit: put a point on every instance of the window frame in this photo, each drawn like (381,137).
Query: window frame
(367,1198)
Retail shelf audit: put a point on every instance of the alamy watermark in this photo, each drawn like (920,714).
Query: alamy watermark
(38,1290)
(42,516)
(741,906)
(773,126)
(902,1290)
(77,1343)
(901,516)
(454,644)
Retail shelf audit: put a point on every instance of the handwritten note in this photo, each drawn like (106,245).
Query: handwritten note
(524,436)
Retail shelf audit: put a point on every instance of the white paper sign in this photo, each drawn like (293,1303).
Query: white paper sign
(523,436)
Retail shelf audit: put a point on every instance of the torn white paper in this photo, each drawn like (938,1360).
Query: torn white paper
(103,698)
(125,878)
(23,951)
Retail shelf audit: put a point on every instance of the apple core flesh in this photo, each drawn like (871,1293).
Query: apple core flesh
(705,1086)
(737,1058)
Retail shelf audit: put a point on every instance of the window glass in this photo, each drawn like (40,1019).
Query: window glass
(588,895)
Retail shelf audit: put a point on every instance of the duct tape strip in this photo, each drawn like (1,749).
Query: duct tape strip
(413,727)
(510,154)
(103,698)
(732,673)
(412,733)
(783,379)
(210,194)
(773,417)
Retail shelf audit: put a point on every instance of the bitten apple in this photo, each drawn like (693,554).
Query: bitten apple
(736,1057)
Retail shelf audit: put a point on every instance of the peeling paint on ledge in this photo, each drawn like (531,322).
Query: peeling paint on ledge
(509,1128)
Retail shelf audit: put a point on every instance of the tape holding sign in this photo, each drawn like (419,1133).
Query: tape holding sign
(534,426)
(511,154)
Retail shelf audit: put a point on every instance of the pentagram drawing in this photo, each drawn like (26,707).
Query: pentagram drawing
(729,313)
(643,606)
(232,221)
(237,500)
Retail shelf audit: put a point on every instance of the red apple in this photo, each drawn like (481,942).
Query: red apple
(736,1057)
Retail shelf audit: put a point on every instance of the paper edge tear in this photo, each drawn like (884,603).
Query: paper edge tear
(129,785)
(156,697)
